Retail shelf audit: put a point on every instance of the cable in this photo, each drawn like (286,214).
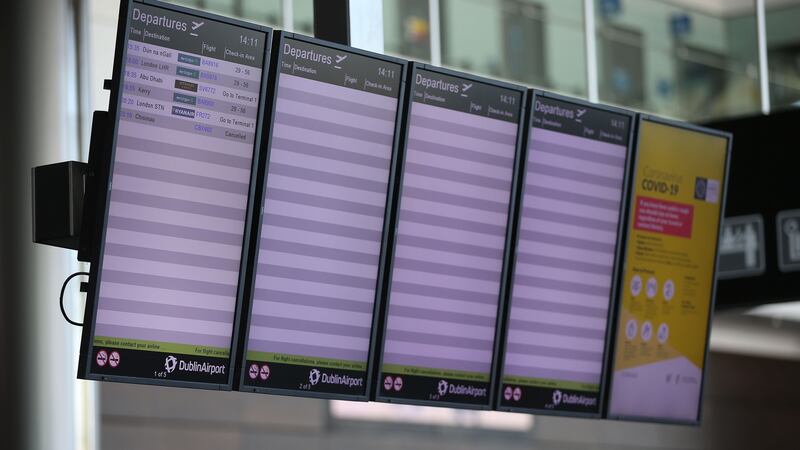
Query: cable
(61,298)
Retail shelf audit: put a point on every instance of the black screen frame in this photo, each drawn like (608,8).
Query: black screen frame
(103,200)
(640,118)
(275,70)
(413,68)
(618,255)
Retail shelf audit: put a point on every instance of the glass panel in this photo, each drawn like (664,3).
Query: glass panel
(677,61)
(263,11)
(227,7)
(303,17)
(534,42)
(783,52)
(406,29)
(267,12)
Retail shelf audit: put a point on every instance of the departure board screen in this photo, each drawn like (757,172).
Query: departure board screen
(667,295)
(167,278)
(451,235)
(566,257)
(322,231)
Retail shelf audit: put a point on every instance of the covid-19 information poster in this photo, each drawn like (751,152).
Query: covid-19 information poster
(667,295)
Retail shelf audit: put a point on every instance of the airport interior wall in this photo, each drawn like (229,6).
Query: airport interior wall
(750,403)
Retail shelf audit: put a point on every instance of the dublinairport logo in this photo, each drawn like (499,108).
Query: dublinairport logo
(584,401)
(444,387)
(557,398)
(170,363)
(315,376)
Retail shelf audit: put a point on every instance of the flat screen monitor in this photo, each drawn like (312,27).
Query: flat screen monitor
(322,232)
(165,282)
(565,263)
(667,290)
(450,250)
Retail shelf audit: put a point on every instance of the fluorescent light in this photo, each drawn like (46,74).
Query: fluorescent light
(425,415)
(766,331)
(785,311)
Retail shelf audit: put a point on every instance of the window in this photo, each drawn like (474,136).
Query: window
(267,12)
(692,62)
(783,49)
(406,28)
(535,42)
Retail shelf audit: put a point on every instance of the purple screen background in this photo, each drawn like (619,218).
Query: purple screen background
(323,220)
(450,240)
(565,258)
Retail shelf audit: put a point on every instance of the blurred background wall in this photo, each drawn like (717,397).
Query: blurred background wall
(690,59)
(43,405)
(751,403)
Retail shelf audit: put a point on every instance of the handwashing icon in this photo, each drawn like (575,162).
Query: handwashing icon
(791,228)
(744,241)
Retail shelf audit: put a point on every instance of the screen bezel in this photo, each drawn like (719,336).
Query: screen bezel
(512,205)
(275,72)
(621,275)
(606,361)
(104,183)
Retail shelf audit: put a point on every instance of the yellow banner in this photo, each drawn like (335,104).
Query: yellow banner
(672,242)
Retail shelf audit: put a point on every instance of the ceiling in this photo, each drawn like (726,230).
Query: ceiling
(726,8)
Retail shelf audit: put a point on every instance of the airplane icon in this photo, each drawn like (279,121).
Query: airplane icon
(581,112)
(196,25)
(465,87)
(339,58)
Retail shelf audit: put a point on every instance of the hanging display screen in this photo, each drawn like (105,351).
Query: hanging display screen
(166,283)
(322,233)
(667,294)
(451,237)
(562,281)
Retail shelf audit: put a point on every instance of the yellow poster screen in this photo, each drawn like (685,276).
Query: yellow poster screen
(669,269)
